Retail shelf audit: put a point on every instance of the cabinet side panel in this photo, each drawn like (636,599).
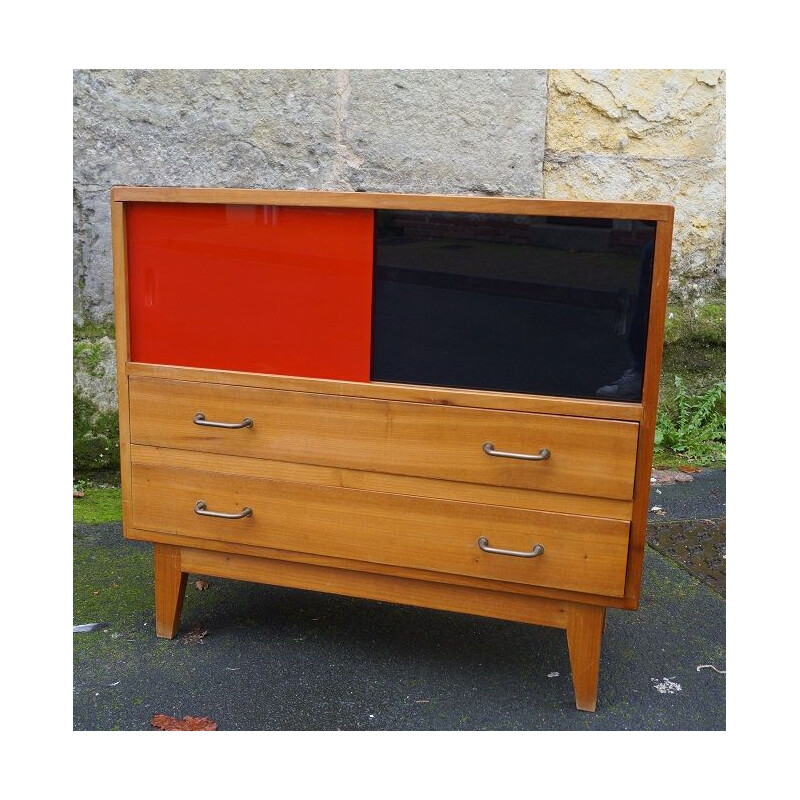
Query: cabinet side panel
(269,289)
(647,428)
(121,334)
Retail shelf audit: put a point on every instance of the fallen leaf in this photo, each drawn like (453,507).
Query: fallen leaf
(77,494)
(688,468)
(194,636)
(166,723)
(201,585)
(95,591)
(667,477)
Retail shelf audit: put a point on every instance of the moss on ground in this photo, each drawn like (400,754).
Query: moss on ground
(99,504)
(699,323)
(109,587)
(694,347)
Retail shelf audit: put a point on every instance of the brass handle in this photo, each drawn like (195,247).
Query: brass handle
(542,455)
(201,509)
(483,543)
(200,419)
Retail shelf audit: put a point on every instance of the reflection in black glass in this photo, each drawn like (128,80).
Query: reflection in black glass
(539,305)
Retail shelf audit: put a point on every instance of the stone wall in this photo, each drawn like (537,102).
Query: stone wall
(650,135)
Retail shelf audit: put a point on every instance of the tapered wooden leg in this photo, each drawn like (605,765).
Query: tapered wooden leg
(170,588)
(585,627)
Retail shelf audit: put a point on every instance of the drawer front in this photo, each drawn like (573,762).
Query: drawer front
(582,554)
(590,457)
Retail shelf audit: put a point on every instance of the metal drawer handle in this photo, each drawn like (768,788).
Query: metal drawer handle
(201,509)
(483,543)
(543,455)
(200,419)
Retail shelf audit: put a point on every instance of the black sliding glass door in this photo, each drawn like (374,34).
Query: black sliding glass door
(539,305)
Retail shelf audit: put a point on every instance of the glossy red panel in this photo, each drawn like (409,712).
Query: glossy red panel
(279,290)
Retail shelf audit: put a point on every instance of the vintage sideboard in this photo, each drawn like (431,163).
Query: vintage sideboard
(440,401)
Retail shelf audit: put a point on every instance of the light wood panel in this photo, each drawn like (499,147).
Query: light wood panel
(235,548)
(652,376)
(170,584)
(411,202)
(382,482)
(585,626)
(465,398)
(122,341)
(498,605)
(581,553)
(588,457)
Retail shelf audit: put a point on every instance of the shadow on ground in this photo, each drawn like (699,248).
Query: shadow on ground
(255,657)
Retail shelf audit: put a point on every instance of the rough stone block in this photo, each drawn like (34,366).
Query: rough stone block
(240,128)
(697,191)
(642,112)
(95,370)
(443,131)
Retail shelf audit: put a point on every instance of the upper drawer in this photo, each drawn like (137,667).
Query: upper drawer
(587,456)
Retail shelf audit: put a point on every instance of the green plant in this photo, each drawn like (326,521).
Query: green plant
(693,425)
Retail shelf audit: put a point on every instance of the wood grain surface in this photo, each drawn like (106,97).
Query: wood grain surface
(583,554)
(588,457)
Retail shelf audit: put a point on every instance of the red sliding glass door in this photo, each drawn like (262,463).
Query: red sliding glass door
(270,289)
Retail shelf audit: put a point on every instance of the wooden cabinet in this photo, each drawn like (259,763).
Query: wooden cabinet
(439,401)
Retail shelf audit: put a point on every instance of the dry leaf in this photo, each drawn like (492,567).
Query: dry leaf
(194,636)
(167,723)
(201,585)
(688,468)
(77,493)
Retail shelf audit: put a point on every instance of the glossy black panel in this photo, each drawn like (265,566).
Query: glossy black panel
(539,305)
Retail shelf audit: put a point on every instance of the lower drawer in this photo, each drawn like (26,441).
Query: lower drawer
(584,554)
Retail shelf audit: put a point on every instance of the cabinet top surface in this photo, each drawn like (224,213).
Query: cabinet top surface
(428,202)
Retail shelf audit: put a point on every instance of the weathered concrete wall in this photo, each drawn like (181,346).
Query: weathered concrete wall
(613,134)
(469,131)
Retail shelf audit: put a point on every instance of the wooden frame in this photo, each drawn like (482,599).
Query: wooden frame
(580,614)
